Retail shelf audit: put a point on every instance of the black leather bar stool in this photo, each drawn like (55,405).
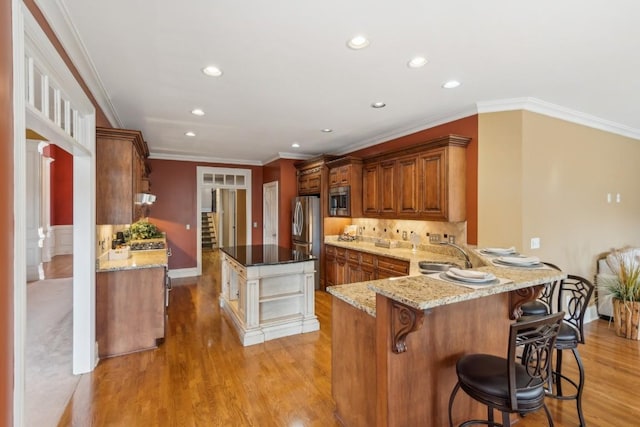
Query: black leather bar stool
(513,384)
(573,297)
(544,304)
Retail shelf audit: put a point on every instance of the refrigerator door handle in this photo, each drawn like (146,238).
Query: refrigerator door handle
(298,219)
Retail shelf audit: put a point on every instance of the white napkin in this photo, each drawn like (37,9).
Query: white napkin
(501,251)
(520,260)
(471,274)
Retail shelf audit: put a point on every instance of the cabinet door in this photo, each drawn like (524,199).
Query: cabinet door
(387,187)
(330,265)
(341,266)
(344,175)
(352,273)
(408,188)
(334,179)
(434,184)
(370,189)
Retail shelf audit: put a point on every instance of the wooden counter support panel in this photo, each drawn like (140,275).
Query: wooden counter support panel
(404,320)
(413,387)
(353,365)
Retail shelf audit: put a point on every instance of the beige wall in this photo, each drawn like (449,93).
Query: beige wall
(548,178)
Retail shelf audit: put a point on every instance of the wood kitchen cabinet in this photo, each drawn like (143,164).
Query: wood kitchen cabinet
(347,172)
(378,188)
(120,175)
(350,266)
(425,181)
(130,310)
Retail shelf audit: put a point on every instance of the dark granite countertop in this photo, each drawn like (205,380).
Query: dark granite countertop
(255,255)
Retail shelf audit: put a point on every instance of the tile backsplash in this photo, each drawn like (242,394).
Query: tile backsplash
(393,229)
(104,236)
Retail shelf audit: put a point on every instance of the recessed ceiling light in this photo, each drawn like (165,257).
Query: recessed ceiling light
(190,133)
(327,130)
(417,62)
(378,104)
(451,84)
(295,145)
(197,112)
(358,42)
(212,71)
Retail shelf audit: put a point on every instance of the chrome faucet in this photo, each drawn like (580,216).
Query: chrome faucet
(467,261)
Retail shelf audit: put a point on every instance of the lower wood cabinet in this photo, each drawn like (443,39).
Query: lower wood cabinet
(350,266)
(130,310)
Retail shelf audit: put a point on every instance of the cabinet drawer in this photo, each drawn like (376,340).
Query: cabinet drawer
(395,265)
(330,250)
(353,256)
(367,259)
(341,252)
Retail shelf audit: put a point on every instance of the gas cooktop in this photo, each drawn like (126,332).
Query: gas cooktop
(146,246)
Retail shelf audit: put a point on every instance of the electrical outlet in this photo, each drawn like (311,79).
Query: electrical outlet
(535,243)
(434,238)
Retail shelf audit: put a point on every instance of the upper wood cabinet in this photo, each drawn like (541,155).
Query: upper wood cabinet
(312,176)
(347,172)
(424,181)
(120,174)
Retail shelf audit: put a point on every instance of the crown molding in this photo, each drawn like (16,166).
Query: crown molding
(57,15)
(535,105)
(408,130)
(202,159)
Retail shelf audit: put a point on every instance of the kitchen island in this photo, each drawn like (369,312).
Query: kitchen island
(268,292)
(130,302)
(395,342)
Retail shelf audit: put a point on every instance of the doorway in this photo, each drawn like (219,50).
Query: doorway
(230,191)
(49,101)
(270,213)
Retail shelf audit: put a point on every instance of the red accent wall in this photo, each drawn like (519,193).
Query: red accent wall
(61,184)
(468,127)
(174,184)
(283,171)
(6,216)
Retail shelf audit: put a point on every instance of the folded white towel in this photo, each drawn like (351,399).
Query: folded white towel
(501,251)
(471,274)
(520,260)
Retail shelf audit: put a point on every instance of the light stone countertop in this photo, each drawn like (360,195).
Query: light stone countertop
(423,292)
(137,259)
(433,253)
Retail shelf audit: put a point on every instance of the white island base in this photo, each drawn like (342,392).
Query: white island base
(266,302)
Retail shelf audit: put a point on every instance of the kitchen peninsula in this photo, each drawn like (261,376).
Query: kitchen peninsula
(268,292)
(395,342)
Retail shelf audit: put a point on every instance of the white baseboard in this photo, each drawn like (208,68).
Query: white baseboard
(183,272)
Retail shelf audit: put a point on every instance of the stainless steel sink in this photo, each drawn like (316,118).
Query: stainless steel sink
(427,267)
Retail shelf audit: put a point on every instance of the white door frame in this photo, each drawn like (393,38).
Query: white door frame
(200,172)
(270,209)
(29,38)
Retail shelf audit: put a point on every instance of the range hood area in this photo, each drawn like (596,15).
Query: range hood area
(145,199)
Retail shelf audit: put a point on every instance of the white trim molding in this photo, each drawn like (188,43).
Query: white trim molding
(183,272)
(61,240)
(60,21)
(559,112)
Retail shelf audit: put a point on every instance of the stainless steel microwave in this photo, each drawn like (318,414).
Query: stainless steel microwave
(340,201)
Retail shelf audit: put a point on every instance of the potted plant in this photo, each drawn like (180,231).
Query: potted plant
(624,286)
(143,229)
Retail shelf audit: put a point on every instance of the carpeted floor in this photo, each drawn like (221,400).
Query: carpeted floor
(49,382)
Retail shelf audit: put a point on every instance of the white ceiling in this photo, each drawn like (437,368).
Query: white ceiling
(288,72)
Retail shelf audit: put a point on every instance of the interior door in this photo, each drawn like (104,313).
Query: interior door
(270,213)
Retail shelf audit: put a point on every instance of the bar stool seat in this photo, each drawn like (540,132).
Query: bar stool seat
(515,384)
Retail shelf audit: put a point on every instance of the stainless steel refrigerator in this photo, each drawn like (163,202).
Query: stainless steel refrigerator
(305,228)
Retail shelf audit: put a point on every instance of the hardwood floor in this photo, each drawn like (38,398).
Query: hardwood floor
(60,266)
(202,376)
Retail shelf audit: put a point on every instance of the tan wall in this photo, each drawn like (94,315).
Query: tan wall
(548,178)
